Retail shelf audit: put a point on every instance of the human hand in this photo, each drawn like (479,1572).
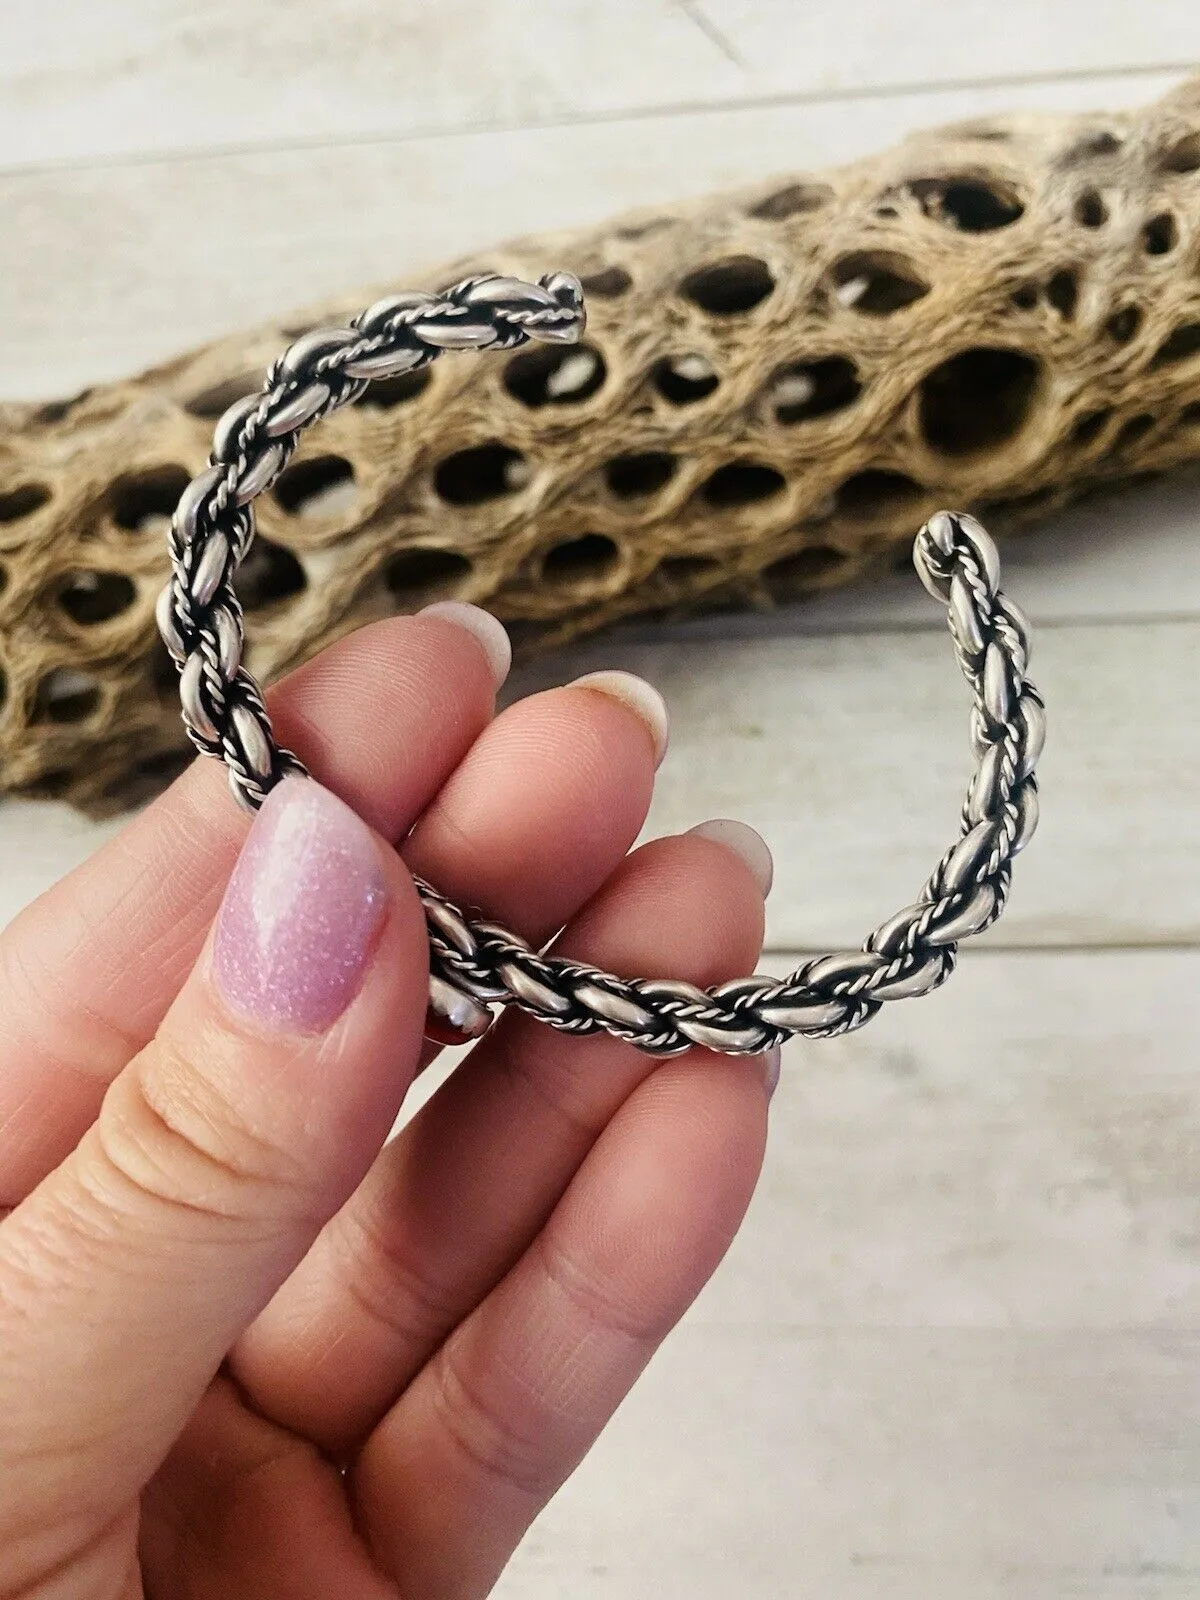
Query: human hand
(248,1348)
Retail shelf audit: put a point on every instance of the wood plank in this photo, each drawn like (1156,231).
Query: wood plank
(887,1466)
(1015,1152)
(953,1350)
(143,77)
(857,46)
(848,753)
(109,269)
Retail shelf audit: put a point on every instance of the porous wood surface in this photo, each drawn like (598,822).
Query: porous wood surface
(776,387)
(954,1350)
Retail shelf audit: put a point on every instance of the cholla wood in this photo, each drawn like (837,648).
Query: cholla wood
(776,387)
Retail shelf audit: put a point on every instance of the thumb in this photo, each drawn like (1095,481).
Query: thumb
(218,1155)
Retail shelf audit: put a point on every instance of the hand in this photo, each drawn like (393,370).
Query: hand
(249,1349)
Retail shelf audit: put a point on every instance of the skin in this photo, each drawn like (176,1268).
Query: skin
(251,1349)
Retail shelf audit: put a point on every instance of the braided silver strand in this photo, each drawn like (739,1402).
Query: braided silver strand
(475,964)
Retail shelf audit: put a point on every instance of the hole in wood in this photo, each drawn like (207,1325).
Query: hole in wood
(802,568)
(149,777)
(1180,345)
(268,574)
(527,634)
(877,283)
(484,472)
(550,375)
(22,501)
(877,494)
(806,389)
(65,695)
(741,483)
(977,399)
(797,199)
(210,403)
(1160,235)
(1063,293)
(1190,415)
(684,379)
(1101,142)
(607,283)
(320,487)
(644,228)
(386,393)
(1025,296)
(728,287)
(1088,427)
(56,410)
(1133,431)
(1123,324)
(1183,155)
(632,477)
(1090,210)
(51,785)
(970,204)
(423,573)
(90,597)
(164,674)
(144,502)
(586,560)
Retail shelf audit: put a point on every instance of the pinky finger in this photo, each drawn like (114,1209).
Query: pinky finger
(452,1477)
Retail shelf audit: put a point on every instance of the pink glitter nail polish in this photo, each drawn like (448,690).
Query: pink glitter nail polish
(299,918)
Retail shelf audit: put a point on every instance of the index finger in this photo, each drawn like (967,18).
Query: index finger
(88,971)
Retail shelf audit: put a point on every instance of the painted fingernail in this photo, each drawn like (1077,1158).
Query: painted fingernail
(744,842)
(299,918)
(770,1069)
(642,698)
(487,629)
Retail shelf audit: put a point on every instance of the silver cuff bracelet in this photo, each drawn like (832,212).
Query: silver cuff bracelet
(475,964)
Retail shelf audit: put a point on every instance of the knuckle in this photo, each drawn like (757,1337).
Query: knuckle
(536,1065)
(486,1437)
(167,1130)
(380,1270)
(46,1015)
(598,1296)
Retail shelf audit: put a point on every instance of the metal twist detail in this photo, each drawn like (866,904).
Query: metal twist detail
(474,963)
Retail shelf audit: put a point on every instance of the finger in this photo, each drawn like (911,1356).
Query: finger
(546,802)
(454,1200)
(450,1480)
(217,1156)
(87,972)
(544,805)
(241,1507)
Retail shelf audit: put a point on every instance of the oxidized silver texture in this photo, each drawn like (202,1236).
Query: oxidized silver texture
(475,963)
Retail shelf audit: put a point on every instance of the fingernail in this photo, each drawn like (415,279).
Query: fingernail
(299,918)
(483,626)
(744,842)
(770,1068)
(642,698)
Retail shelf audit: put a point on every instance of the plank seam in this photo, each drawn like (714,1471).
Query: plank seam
(601,118)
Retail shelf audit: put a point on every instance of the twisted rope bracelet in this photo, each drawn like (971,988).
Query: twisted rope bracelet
(474,963)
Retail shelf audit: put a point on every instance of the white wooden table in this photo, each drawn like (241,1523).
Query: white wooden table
(956,1350)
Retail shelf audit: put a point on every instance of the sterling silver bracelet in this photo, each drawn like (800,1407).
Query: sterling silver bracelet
(475,964)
